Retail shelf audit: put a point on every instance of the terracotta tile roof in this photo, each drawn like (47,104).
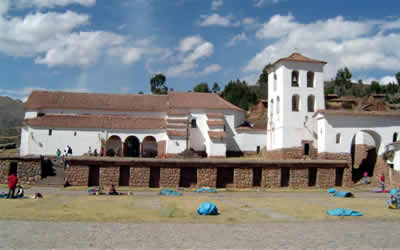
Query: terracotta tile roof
(176,126)
(177,112)
(179,121)
(172,102)
(217,135)
(215,115)
(216,123)
(95,101)
(96,121)
(176,133)
(297,57)
(199,101)
(356,113)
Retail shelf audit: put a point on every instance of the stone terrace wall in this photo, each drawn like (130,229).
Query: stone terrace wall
(29,169)
(207,171)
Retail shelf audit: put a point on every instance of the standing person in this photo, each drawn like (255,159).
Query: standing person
(58,153)
(95,152)
(382,179)
(102,151)
(365,177)
(12,184)
(66,150)
(90,151)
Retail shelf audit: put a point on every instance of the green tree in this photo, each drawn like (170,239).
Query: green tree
(157,85)
(343,81)
(398,78)
(375,87)
(140,93)
(391,88)
(262,82)
(201,87)
(238,93)
(215,88)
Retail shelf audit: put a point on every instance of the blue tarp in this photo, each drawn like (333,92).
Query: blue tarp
(204,189)
(343,212)
(3,195)
(207,208)
(332,190)
(343,194)
(169,192)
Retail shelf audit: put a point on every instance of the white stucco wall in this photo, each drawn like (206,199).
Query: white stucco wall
(215,148)
(176,145)
(37,141)
(381,128)
(248,141)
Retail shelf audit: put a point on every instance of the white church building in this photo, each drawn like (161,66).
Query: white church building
(300,126)
(136,125)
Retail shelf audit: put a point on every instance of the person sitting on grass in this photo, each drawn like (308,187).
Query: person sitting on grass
(113,191)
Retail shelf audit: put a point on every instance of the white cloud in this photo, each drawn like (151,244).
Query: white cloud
(190,42)
(190,50)
(52,3)
(4,5)
(217,20)
(128,55)
(215,4)
(359,45)
(382,81)
(239,37)
(261,3)
(211,69)
(79,49)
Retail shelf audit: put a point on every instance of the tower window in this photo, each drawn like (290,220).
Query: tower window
(272,106)
(295,78)
(295,103)
(338,138)
(311,103)
(193,123)
(395,137)
(310,79)
(50,131)
(277,105)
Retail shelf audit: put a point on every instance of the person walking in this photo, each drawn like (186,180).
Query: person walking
(382,179)
(58,153)
(365,177)
(12,184)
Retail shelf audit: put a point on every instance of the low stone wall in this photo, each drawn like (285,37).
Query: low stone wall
(293,153)
(29,169)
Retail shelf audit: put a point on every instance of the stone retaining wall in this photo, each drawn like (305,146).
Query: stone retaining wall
(29,170)
(217,173)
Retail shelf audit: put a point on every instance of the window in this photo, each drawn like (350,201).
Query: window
(75,133)
(338,138)
(50,131)
(310,79)
(274,82)
(295,78)
(272,106)
(306,149)
(295,103)
(311,103)
(277,105)
(193,123)
(395,137)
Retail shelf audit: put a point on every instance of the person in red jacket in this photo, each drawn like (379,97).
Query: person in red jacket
(12,184)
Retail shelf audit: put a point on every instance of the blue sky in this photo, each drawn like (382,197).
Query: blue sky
(116,46)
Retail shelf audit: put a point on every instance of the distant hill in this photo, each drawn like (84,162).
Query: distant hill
(11,116)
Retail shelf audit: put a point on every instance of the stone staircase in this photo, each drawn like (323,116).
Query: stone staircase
(56,180)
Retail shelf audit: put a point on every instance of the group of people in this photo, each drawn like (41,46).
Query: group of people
(95,153)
